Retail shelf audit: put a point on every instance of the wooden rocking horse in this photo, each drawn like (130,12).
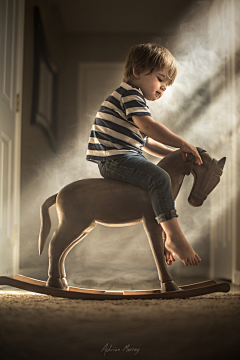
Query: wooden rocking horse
(83,204)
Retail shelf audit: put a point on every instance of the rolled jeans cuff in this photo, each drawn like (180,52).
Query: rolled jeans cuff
(166,216)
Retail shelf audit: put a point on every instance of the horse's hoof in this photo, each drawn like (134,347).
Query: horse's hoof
(169,286)
(57,283)
(65,283)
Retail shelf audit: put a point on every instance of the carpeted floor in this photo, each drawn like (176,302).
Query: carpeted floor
(38,327)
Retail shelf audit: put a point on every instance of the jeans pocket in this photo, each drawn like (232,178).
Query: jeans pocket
(113,175)
(113,171)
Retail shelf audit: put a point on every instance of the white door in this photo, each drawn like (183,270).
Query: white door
(224,115)
(11,50)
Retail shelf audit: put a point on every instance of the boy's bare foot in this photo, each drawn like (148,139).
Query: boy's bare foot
(183,250)
(177,244)
(169,257)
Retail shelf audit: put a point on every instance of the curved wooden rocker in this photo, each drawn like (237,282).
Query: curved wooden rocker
(83,204)
(187,291)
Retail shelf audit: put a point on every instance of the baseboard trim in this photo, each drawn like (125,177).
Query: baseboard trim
(236,278)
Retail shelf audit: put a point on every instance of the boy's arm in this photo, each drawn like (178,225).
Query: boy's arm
(162,134)
(155,148)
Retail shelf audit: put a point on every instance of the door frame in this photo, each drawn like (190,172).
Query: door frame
(20,10)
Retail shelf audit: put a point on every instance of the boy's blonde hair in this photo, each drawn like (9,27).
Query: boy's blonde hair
(152,57)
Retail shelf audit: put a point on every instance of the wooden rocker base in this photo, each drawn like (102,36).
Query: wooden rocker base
(37,286)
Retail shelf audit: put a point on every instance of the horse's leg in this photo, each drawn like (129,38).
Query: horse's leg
(66,251)
(62,241)
(154,234)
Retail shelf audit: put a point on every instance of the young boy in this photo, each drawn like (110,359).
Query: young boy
(123,127)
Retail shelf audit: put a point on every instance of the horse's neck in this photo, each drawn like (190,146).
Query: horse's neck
(174,165)
(176,185)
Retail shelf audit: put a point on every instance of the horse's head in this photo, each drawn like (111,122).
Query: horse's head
(206,176)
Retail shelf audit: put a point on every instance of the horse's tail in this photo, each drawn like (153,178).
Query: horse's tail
(45,222)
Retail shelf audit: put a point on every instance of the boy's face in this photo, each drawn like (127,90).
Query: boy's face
(152,85)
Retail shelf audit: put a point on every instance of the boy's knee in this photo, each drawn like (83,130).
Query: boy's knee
(167,177)
(163,178)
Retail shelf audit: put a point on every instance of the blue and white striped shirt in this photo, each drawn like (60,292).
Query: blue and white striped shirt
(114,132)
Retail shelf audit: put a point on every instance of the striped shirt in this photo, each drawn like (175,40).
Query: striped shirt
(114,132)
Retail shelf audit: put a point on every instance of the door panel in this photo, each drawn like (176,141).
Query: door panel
(8,53)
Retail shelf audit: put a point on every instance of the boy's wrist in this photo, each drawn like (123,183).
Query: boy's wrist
(182,144)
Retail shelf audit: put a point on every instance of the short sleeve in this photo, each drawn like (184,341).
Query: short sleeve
(134,103)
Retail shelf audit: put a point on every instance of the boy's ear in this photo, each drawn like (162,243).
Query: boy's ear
(137,71)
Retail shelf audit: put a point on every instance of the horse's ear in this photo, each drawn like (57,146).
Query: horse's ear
(221,163)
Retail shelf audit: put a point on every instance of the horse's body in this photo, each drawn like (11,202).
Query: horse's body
(83,204)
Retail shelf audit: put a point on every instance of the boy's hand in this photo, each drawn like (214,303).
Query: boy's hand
(188,148)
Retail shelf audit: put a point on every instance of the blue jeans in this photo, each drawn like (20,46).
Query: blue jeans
(136,170)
